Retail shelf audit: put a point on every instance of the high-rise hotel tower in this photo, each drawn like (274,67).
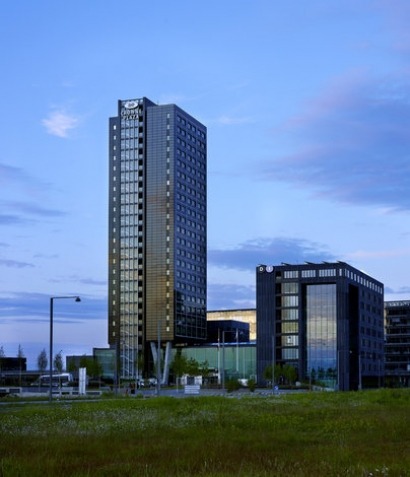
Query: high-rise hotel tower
(157,233)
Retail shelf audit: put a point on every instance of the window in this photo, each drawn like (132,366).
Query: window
(290,288)
(290,327)
(321,331)
(291,300)
(290,314)
(290,274)
(327,272)
(290,340)
(290,353)
(308,273)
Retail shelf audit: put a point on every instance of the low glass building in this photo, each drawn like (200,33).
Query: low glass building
(237,359)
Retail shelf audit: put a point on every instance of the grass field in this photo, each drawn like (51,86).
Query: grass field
(313,434)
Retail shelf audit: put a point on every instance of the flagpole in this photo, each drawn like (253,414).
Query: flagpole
(237,350)
(219,357)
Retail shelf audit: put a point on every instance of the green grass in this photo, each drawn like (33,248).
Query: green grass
(311,434)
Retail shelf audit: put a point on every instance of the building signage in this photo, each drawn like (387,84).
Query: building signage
(131,104)
(130,109)
(265,268)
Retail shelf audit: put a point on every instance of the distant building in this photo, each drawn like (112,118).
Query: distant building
(229,331)
(107,360)
(397,347)
(325,320)
(74,362)
(243,315)
(157,232)
(13,370)
(13,364)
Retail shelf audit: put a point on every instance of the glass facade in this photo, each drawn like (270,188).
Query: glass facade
(157,229)
(238,361)
(176,220)
(321,333)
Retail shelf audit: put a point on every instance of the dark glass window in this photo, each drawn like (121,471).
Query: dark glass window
(321,332)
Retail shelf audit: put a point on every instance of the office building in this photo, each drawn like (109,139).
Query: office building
(325,320)
(227,331)
(245,315)
(397,347)
(157,233)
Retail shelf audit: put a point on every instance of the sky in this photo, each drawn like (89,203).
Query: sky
(307,105)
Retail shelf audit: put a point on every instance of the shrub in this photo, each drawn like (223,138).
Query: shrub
(232,385)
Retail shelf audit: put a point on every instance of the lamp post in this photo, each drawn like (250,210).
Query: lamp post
(77,299)
(273,364)
(223,360)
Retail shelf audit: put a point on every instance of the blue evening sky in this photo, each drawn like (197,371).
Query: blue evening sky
(307,104)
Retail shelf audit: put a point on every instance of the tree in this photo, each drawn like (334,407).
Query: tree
(290,373)
(2,355)
(93,366)
(205,371)
(267,373)
(139,364)
(84,361)
(71,366)
(58,362)
(179,365)
(272,377)
(193,367)
(42,361)
(97,369)
(20,356)
(20,352)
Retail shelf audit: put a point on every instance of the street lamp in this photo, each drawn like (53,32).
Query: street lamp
(77,299)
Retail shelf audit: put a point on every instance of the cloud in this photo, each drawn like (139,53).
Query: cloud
(11,176)
(232,120)
(32,209)
(352,143)
(372,254)
(15,182)
(26,307)
(83,281)
(59,123)
(20,212)
(248,255)
(11,219)
(389,292)
(18,181)
(46,256)
(93,281)
(230,297)
(397,15)
(14,264)
(245,258)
